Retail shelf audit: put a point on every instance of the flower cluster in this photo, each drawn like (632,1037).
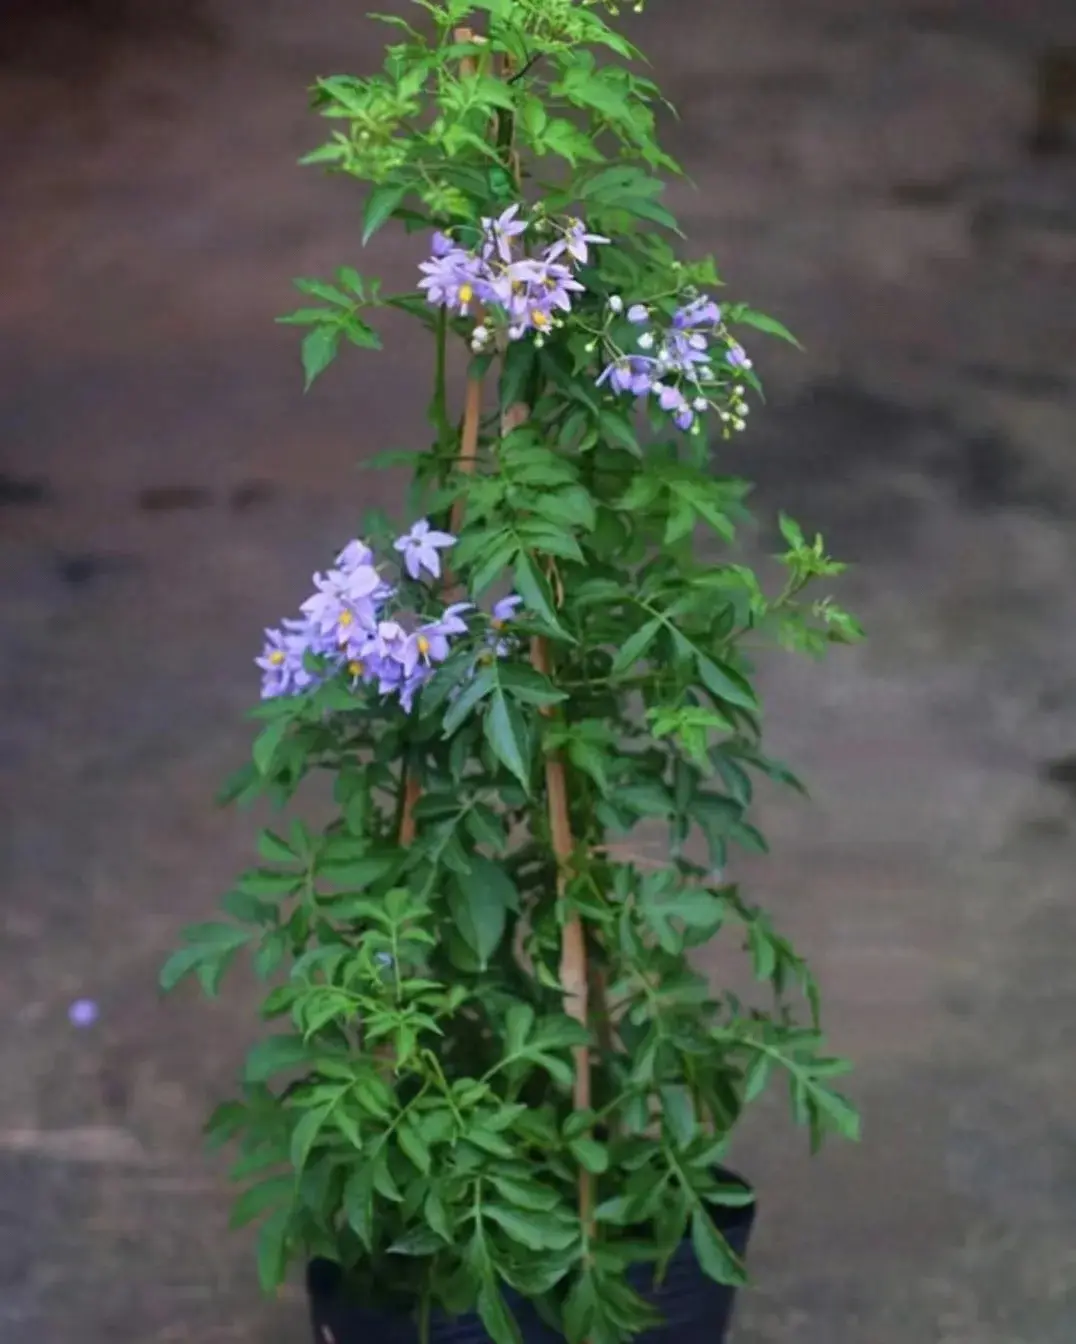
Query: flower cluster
(502,286)
(677,363)
(355,624)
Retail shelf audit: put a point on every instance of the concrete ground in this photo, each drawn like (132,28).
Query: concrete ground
(862,172)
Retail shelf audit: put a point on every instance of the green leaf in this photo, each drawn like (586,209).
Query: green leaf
(489,1142)
(838,1112)
(465,702)
(273,1055)
(419,1241)
(273,1250)
(726,683)
(635,646)
(506,733)
(211,949)
(252,1203)
(529,686)
(380,204)
(500,1324)
(533,588)
(359,874)
(271,953)
(479,911)
(319,350)
(266,744)
(359,1203)
(525,1194)
(305,1134)
(517,370)
(678,1111)
(591,1155)
(413,1146)
(616,429)
(180,964)
(716,1258)
(437,1216)
(761,322)
(229,1118)
(536,1231)
(271,847)
(756,1077)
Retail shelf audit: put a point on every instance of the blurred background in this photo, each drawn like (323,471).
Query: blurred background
(896,180)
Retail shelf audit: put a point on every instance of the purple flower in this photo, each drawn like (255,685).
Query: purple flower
(354,554)
(419,548)
(673,400)
(638,312)
(617,375)
(441,245)
(345,602)
(504,609)
(531,290)
(684,350)
(410,688)
(500,232)
(423,646)
(633,373)
(455,280)
(450,622)
(83,1013)
(737,356)
(283,659)
(574,242)
(385,642)
(701,312)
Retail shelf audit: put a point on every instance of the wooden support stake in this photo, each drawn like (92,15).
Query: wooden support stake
(573,953)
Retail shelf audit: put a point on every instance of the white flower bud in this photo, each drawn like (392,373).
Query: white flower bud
(700,404)
(646,340)
(616,303)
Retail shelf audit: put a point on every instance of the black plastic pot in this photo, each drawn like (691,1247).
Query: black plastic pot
(696,1310)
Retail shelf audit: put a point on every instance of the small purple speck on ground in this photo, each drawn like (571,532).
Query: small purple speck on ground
(83,1013)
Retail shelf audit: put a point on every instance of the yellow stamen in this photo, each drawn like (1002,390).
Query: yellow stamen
(539,318)
(497,625)
(355,668)
(276,657)
(485,658)
(466,293)
(423,644)
(346,618)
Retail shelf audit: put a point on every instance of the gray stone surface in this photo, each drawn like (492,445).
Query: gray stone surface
(860,171)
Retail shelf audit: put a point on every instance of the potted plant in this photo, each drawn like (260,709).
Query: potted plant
(503,1090)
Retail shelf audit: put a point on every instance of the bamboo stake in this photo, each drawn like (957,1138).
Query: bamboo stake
(573,953)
